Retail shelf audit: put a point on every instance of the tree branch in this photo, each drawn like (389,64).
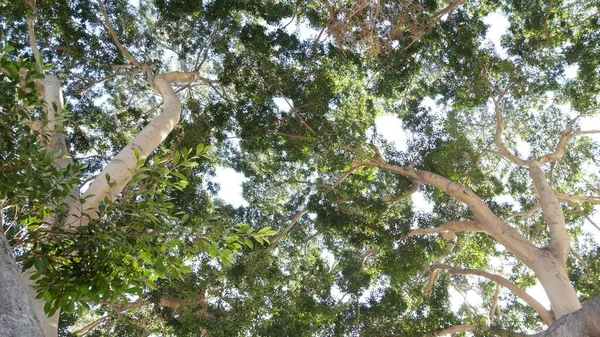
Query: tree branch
(572,197)
(283,232)
(508,236)
(544,313)
(504,151)
(495,303)
(31,33)
(446,230)
(115,38)
(560,242)
(565,136)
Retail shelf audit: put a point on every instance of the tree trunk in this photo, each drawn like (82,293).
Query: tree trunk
(17,317)
(581,323)
(553,276)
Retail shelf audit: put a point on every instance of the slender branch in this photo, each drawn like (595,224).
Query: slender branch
(449,9)
(504,151)
(109,77)
(447,229)
(572,197)
(281,234)
(354,167)
(584,265)
(544,313)
(31,33)
(94,324)
(580,210)
(115,38)
(495,303)
(561,147)
(470,328)
(434,274)
(413,189)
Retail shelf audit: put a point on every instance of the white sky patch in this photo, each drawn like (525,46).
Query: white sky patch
(571,71)
(498,25)
(420,203)
(231,186)
(390,127)
(524,148)
(282,104)
(470,297)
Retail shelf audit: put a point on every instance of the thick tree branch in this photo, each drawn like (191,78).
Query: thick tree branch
(508,236)
(560,242)
(544,313)
(583,322)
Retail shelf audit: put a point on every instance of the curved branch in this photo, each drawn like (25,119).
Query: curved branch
(544,313)
(434,274)
(97,322)
(504,151)
(454,329)
(115,38)
(565,136)
(469,328)
(508,236)
(446,229)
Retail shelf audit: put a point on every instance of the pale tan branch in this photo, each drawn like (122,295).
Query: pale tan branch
(581,211)
(573,197)
(526,214)
(544,313)
(123,309)
(366,255)
(504,151)
(31,32)
(435,274)
(187,77)
(561,147)
(470,328)
(495,306)
(449,9)
(354,167)
(413,189)
(107,78)
(446,229)
(584,265)
(454,330)
(275,240)
(115,38)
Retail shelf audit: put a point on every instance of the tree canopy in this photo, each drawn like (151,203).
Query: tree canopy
(109,203)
